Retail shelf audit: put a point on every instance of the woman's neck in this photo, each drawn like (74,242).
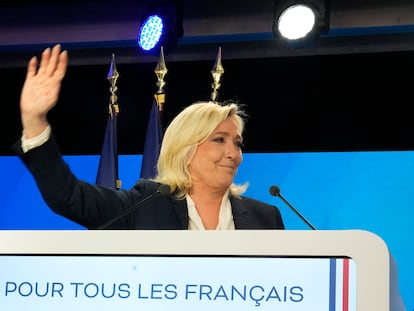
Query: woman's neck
(208,206)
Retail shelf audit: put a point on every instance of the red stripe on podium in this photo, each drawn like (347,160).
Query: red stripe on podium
(345,285)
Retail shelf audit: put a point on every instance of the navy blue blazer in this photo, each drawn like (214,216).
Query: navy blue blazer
(94,206)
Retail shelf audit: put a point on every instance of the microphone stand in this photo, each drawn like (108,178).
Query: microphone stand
(275,191)
(162,190)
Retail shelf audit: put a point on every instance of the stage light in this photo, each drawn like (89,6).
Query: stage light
(161,25)
(300,21)
(150,33)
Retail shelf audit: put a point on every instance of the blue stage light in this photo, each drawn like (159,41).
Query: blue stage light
(161,25)
(150,32)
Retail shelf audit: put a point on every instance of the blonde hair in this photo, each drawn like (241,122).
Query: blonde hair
(188,129)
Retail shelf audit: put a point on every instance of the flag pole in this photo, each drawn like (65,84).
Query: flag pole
(216,72)
(154,133)
(160,71)
(108,163)
(112,77)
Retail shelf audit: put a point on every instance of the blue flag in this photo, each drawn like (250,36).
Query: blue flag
(152,143)
(108,164)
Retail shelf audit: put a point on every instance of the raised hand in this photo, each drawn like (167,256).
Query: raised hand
(41,89)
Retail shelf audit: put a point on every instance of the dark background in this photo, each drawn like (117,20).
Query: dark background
(351,91)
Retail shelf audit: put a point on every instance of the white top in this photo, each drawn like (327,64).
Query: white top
(225,216)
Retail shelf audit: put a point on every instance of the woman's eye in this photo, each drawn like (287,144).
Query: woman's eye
(239,144)
(219,139)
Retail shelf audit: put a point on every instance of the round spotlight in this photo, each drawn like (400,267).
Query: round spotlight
(161,26)
(150,32)
(296,22)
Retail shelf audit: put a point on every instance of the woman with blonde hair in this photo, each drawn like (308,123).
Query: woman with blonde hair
(194,188)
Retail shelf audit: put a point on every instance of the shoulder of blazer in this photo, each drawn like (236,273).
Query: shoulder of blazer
(146,186)
(247,203)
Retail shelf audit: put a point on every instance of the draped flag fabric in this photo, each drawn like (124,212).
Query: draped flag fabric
(108,164)
(152,143)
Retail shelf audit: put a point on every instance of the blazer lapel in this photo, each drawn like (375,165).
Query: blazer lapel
(240,217)
(239,213)
(180,208)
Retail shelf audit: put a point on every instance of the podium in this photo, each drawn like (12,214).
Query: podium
(197,270)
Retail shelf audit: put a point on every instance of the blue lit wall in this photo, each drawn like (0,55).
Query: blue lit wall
(334,190)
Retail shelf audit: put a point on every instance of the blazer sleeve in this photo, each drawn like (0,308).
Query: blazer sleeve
(87,204)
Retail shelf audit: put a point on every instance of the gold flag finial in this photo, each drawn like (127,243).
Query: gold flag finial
(112,77)
(160,71)
(216,72)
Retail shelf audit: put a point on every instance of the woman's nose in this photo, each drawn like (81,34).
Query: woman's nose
(232,151)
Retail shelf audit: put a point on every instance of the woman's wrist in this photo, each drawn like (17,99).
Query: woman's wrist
(33,127)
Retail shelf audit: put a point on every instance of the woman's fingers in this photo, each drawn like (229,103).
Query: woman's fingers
(31,68)
(44,61)
(61,65)
(53,60)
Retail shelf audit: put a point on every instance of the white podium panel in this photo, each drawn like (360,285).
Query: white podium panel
(196,270)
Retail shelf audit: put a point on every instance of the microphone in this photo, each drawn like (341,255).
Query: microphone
(275,191)
(162,190)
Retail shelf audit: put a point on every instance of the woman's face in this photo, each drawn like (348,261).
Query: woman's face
(216,160)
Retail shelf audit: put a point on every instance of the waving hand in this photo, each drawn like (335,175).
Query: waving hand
(41,89)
